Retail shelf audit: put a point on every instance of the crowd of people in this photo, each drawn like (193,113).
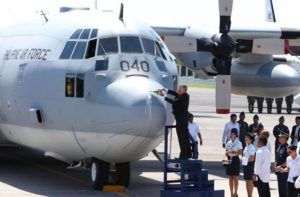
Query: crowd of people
(251,147)
(245,144)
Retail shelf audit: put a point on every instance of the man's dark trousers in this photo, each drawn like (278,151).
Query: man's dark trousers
(183,139)
(263,188)
(282,184)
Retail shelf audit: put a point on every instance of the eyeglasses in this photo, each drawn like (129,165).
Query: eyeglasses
(289,152)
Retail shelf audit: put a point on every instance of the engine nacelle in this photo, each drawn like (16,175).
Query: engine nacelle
(264,80)
(199,62)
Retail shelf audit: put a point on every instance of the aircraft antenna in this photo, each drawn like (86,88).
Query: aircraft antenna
(44,15)
(121,15)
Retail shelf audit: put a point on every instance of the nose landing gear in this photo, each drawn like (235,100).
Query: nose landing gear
(99,174)
(123,174)
(102,174)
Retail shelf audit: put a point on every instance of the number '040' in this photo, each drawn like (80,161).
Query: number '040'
(143,65)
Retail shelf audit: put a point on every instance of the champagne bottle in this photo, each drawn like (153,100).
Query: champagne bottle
(155,91)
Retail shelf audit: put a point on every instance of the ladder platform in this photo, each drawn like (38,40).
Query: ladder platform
(193,179)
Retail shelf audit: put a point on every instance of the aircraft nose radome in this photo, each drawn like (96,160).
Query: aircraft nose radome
(144,112)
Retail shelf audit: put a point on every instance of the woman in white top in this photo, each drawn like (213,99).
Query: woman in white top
(293,167)
(234,148)
(248,162)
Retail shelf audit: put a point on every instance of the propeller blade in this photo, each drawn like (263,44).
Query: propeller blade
(223,94)
(225,9)
(205,44)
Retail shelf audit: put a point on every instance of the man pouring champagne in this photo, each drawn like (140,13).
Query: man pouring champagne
(180,105)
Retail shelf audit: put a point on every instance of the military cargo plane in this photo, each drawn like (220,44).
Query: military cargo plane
(78,85)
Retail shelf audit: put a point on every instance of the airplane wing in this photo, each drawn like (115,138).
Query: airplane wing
(260,39)
(211,47)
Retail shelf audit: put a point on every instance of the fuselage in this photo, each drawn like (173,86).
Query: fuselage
(79,86)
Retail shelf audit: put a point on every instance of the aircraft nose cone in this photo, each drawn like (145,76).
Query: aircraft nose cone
(144,112)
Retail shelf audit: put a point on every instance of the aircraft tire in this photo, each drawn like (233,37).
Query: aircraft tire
(99,174)
(123,174)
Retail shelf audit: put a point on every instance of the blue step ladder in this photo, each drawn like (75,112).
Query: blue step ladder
(193,179)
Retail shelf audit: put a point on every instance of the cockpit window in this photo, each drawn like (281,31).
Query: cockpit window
(94,33)
(76,34)
(130,44)
(148,46)
(85,34)
(91,49)
(79,50)
(67,52)
(107,45)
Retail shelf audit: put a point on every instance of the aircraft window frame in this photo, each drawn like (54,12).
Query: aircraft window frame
(125,48)
(168,58)
(76,34)
(94,33)
(79,51)
(146,45)
(162,54)
(85,34)
(68,50)
(91,49)
(102,47)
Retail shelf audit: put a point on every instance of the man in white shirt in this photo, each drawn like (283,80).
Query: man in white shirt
(194,131)
(262,168)
(228,127)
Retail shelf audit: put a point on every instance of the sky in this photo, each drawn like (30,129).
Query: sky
(172,12)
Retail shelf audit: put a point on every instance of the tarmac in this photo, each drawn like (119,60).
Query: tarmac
(25,172)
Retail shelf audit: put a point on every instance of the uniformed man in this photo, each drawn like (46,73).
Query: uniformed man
(243,128)
(253,127)
(281,153)
(279,129)
(289,102)
(180,105)
(260,103)
(251,101)
(278,104)
(269,102)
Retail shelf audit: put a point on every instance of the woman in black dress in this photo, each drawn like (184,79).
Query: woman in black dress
(234,148)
